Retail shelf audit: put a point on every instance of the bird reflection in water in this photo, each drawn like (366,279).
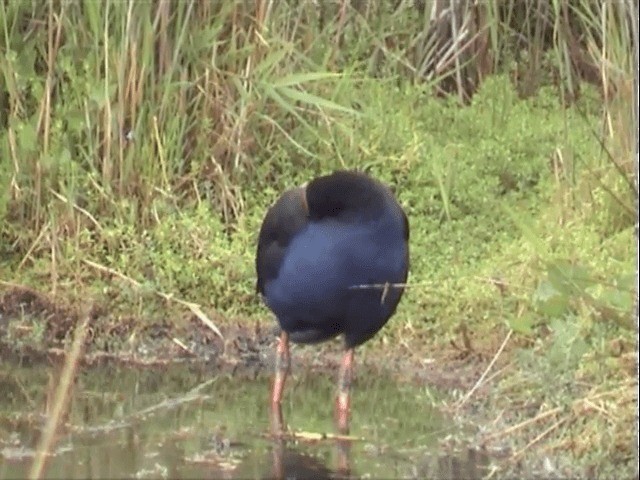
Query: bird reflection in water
(292,464)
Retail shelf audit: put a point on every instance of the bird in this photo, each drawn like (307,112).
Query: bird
(332,259)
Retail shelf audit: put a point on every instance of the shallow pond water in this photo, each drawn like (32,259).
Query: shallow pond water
(184,422)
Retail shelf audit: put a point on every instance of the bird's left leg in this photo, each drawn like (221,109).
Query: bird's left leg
(343,401)
(283,365)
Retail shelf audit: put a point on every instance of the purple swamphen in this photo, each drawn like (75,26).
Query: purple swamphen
(332,259)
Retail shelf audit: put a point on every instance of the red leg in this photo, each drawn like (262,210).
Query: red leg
(343,400)
(283,364)
(277,468)
(343,467)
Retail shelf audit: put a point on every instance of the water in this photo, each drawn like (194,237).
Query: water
(184,422)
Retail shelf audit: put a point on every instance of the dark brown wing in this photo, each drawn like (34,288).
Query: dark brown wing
(280,225)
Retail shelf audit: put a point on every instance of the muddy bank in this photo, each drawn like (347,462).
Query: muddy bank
(35,330)
(245,347)
(187,403)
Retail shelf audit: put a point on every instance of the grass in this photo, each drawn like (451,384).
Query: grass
(141,143)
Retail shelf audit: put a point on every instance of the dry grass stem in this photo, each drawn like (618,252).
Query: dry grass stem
(194,307)
(477,385)
(61,398)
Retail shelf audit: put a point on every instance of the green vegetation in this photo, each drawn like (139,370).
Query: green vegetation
(141,142)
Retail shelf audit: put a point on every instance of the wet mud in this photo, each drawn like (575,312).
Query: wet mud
(185,403)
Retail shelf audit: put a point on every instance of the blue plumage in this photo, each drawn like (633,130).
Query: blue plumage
(316,290)
(319,292)
(332,259)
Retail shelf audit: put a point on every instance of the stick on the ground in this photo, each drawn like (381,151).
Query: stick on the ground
(194,307)
(488,369)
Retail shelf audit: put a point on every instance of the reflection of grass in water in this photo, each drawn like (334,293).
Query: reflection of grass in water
(156,407)
(388,417)
(381,410)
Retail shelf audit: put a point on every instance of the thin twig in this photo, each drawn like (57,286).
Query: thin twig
(587,402)
(181,344)
(193,395)
(525,423)
(61,399)
(194,307)
(484,374)
(380,286)
(317,436)
(520,452)
(83,211)
(33,246)
(498,372)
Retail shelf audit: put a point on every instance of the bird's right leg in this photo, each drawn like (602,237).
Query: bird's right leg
(343,400)
(283,365)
